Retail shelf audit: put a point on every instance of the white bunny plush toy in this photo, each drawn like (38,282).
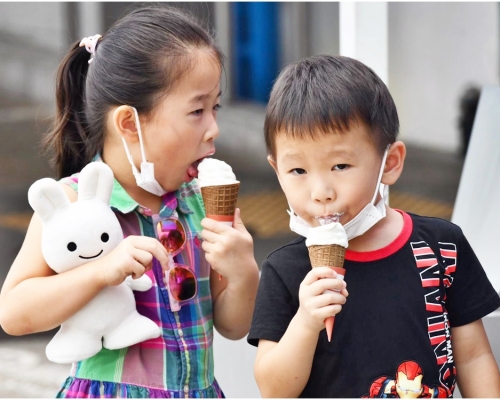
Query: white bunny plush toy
(74,234)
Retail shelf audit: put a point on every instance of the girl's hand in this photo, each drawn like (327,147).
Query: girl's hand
(317,299)
(229,250)
(132,257)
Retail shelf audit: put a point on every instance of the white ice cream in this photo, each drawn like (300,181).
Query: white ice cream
(212,172)
(328,234)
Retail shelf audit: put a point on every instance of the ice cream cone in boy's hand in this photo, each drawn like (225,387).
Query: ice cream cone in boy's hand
(327,244)
(219,189)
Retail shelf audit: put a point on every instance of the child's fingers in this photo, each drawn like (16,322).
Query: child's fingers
(206,246)
(210,236)
(211,248)
(332,297)
(323,306)
(326,284)
(214,226)
(142,256)
(137,270)
(238,223)
(152,246)
(318,273)
(331,310)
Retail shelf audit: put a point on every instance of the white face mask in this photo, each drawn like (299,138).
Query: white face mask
(366,218)
(146,177)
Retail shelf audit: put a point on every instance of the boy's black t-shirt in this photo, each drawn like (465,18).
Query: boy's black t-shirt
(393,332)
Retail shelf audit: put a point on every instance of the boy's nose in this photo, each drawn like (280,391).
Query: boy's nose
(322,192)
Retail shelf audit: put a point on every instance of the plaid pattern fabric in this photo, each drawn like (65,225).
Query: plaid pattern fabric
(180,362)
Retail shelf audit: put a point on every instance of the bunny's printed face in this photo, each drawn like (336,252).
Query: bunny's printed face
(82,232)
(76,233)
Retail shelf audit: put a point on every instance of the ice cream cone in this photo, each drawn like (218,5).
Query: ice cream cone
(331,255)
(328,256)
(220,201)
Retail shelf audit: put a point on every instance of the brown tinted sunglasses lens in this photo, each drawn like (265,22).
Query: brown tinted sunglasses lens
(182,283)
(171,235)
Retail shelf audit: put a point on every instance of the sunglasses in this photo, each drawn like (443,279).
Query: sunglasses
(180,280)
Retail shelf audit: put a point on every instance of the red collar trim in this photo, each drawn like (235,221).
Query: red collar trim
(388,250)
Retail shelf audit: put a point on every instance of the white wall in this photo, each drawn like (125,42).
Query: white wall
(234,367)
(32,36)
(41,23)
(435,51)
(324,27)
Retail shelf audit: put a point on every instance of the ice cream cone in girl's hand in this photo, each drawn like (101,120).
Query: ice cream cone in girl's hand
(327,244)
(219,189)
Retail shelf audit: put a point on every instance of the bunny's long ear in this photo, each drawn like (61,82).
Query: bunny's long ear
(95,180)
(46,196)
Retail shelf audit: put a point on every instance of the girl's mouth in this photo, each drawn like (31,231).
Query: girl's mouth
(192,170)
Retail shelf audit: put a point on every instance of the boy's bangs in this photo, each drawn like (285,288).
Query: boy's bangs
(310,125)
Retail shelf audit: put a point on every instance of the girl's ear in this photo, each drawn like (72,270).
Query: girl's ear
(394,163)
(123,121)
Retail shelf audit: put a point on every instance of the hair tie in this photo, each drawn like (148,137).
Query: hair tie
(90,44)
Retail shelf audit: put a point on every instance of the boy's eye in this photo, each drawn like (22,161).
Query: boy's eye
(198,112)
(340,167)
(298,171)
(217,107)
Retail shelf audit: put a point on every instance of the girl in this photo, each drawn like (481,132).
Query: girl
(143,99)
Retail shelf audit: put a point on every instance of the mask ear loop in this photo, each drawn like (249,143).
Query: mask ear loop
(292,213)
(139,131)
(383,188)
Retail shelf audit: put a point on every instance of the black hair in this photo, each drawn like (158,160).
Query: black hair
(136,63)
(324,94)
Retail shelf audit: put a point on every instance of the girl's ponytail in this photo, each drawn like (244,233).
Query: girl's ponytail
(70,130)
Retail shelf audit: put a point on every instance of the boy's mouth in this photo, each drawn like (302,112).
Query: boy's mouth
(327,219)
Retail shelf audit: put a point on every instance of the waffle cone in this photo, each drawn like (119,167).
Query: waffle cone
(221,199)
(327,256)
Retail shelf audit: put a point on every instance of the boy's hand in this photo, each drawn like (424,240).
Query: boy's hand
(321,295)
(229,250)
(132,257)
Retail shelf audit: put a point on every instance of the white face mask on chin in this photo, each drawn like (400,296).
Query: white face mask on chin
(146,177)
(366,218)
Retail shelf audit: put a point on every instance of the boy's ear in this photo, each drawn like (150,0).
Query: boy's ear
(123,120)
(394,163)
(271,161)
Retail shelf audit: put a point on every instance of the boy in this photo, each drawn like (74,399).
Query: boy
(411,326)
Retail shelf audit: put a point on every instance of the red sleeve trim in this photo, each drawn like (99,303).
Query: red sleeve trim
(388,250)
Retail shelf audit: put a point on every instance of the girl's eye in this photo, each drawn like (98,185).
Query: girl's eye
(298,171)
(198,112)
(340,167)
(217,107)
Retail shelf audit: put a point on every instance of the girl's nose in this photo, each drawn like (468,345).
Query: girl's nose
(212,131)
